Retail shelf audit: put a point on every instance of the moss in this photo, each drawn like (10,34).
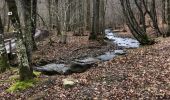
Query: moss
(22,85)
(36,73)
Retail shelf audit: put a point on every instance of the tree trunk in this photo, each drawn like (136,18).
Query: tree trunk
(69,11)
(34,21)
(27,27)
(25,70)
(88,17)
(50,14)
(163,12)
(63,22)
(57,18)
(153,15)
(95,22)
(102,16)
(168,13)
(138,32)
(4,63)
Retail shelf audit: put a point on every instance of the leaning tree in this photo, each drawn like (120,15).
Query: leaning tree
(138,31)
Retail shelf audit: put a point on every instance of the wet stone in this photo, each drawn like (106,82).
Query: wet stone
(119,52)
(53,69)
(79,66)
(107,56)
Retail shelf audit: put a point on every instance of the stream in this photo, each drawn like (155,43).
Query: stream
(81,65)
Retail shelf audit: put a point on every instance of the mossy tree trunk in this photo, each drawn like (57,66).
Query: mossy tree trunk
(25,70)
(4,63)
(27,27)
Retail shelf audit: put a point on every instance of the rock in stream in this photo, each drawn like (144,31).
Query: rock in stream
(53,69)
(79,66)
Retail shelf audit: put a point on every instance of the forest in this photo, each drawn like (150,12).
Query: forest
(84,49)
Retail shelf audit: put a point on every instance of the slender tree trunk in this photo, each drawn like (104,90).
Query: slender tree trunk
(168,13)
(50,14)
(34,21)
(4,63)
(102,16)
(140,14)
(57,18)
(63,22)
(95,26)
(163,11)
(153,15)
(133,25)
(88,15)
(25,70)
(69,11)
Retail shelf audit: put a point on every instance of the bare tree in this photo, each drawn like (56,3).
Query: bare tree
(138,32)
(153,15)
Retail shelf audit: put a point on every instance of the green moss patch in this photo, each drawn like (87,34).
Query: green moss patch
(37,73)
(22,85)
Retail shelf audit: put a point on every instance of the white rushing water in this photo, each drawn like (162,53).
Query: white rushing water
(122,42)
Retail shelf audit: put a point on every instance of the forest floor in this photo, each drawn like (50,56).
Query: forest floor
(76,47)
(142,73)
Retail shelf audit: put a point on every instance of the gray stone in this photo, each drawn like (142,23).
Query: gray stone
(88,60)
(53,69)
(120,52)
(107,56)
(79,66)
(69,82)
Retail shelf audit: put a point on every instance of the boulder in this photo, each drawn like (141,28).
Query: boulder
(53,69)
(69,82)
(79,66)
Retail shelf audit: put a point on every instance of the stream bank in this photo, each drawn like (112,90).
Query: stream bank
(82,64)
